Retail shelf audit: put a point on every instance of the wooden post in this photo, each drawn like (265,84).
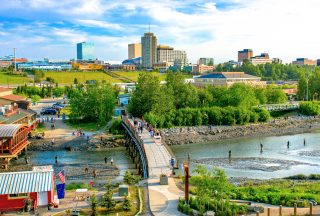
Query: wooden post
(280,210)
(269,212)
(295,209)
(258,213)
(186,186)
(310,211)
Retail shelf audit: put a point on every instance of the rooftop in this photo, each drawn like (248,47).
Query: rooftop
(26,181)
(2,89)
(13,97)
(8,130)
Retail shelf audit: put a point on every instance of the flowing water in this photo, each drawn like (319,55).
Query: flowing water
(275,161)
(74,162)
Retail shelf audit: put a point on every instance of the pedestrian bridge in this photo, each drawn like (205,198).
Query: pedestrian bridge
(280,107)
(150,155)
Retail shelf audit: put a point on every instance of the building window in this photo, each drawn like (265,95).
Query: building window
(17,196)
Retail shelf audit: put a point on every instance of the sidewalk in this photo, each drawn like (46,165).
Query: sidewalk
(164,198)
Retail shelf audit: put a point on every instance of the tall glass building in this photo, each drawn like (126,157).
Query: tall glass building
(85,51)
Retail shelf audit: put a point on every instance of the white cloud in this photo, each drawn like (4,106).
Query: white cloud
(70,36)
(285,28)
(101,24)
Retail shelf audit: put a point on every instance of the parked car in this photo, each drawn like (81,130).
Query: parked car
(59,104)
(57,107)
(49,112)
(313,202)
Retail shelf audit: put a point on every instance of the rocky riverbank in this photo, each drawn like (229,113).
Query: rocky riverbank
(203,134)
(76,143)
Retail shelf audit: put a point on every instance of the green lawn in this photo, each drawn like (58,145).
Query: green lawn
(63,77)
(279,192)
(7,79)
(133,75)
(87,126)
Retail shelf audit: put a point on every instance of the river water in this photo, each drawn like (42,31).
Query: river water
(73,161)
(276,160)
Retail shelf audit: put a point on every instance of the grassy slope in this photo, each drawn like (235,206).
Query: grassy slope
(133,75)
(68,77)
(12,79)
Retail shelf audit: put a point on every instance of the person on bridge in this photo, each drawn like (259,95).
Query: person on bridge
(288,144)
(261,147)
(56,158)
(304,141)
(105,160)
(229,154)
(94,173)
(111,161)
(142,126)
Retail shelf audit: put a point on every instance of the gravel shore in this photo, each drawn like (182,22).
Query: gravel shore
(203,134)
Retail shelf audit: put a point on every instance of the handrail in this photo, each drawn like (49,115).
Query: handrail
(139,141)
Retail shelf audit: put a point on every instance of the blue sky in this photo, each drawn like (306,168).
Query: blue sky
(287,29)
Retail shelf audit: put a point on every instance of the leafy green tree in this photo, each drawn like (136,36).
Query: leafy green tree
(185,95)
(92,103)
(35,98)
(75,81)
(146,94)
(94,205)
(127,204)
(276,96)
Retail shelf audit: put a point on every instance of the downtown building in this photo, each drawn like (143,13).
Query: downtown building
(206,61)
(261,59)
(149,44)
(244,54)
(304,61)
(172,57)
(134,50)
(85,51)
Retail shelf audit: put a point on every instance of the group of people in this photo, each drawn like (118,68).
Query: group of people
(79,132)
(140,125)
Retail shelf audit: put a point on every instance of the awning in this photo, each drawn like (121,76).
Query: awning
(26,182)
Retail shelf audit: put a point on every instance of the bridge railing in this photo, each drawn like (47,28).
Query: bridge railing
(134,131)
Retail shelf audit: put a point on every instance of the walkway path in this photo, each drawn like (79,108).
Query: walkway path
(157,155)
(163,199)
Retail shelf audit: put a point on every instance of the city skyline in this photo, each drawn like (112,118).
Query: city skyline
(47,28)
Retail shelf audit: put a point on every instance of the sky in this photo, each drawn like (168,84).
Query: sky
(287,29)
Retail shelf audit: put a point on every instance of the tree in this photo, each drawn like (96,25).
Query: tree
(35,98)
(185,95)
(107,199)
(127,204)
(276,96)
(302,87)
(146,94)
(129,178)
(94,205)
(92,103)
(75,81)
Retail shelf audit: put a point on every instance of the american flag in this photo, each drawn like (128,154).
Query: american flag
(61,176)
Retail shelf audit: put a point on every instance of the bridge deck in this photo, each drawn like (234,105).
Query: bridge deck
(157,155)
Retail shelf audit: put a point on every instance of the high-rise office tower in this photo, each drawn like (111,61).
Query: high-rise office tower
(149,49)
(134,50)
(85,51)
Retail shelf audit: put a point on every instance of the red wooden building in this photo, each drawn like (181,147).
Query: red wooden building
(13,139)
(16,187)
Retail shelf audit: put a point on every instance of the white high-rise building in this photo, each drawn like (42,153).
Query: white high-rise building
(168,54)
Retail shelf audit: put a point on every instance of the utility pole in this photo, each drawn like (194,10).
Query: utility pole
(14,59)
(307,89)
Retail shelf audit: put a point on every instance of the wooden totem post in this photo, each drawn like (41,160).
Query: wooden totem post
(186,186)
